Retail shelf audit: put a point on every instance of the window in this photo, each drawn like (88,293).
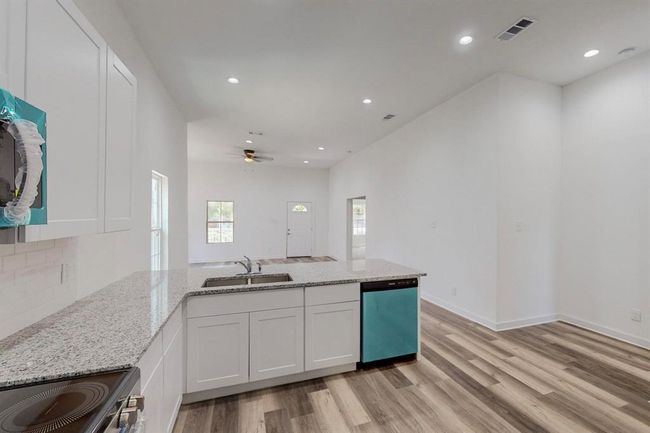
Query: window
(299,208)
(158,221)
(358,217)
(221,222)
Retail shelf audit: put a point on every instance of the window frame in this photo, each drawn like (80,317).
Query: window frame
(161,229)
(208,222)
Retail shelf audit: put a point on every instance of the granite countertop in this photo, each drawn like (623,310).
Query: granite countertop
(113,327)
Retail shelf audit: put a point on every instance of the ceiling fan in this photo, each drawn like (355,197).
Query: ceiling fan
(249,156)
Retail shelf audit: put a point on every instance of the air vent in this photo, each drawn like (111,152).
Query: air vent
(516,29)
(389,116)
(255,133)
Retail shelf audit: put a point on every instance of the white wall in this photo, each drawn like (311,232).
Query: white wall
(603,257)
(529,171)
(30,279)
(445,191)
(260,193)
(431,199)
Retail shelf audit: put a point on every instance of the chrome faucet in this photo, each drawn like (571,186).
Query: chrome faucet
(248,264)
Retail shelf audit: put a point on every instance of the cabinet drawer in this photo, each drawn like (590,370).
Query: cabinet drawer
(212,305)
(332,294)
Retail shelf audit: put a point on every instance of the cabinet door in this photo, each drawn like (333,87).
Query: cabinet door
(277,343)
(153,400)
(65,75)
(217,351)
(121,93)
(5,32)
(12,50)
(173,381)
(331,335)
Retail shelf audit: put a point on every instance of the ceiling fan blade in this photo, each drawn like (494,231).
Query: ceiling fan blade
(262,158)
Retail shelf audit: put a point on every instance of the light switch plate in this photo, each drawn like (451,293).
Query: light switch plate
(636,315)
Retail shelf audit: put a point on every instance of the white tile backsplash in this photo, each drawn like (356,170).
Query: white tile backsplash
(30,282)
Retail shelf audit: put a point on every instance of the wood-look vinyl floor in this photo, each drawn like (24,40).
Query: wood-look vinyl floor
(546,378)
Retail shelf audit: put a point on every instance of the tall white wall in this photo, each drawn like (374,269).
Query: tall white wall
(30,277)
(446,193)
(260,193)
(603,258)
(529,171)
(431,199)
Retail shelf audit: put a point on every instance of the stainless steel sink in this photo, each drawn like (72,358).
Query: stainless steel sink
(245,280)
(271,278)
(228,281)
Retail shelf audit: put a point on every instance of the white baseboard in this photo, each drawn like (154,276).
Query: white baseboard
(522,323)
(604,330)
(460,311)
(531,321)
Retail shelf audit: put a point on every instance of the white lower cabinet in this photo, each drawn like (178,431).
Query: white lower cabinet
(217,351)
(331,335)
(173,380)
(238,338)
(153,400)
(162,376)
(276,343)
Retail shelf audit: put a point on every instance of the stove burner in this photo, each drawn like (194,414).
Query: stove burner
(53,408)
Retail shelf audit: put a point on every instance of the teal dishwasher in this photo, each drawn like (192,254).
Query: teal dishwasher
(389,319)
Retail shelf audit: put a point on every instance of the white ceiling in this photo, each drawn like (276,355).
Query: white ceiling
(305,65)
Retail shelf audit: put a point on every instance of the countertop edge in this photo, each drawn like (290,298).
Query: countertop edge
(194,292)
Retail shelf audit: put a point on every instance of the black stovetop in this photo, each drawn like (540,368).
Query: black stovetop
(77,405)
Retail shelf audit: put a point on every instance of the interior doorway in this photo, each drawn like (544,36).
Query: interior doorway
(356,237)
(300,222)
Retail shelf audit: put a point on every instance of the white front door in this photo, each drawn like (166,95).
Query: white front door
(299,229)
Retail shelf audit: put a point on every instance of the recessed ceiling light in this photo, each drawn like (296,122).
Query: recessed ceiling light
(321,148)
(591,53)
(465,40)
(233,80)
(305,162)
(249,141)
(367,101)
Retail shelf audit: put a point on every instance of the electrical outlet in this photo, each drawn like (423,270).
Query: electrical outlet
(636,315)
(519,226)
(454,291)
(434,225)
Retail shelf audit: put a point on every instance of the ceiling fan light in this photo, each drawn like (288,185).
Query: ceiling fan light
(248,159)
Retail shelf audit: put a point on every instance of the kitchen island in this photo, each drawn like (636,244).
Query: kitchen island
(143,318)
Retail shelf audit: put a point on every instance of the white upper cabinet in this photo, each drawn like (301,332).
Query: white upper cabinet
(4,34)
(121,96)
(65,75)
(12,48)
